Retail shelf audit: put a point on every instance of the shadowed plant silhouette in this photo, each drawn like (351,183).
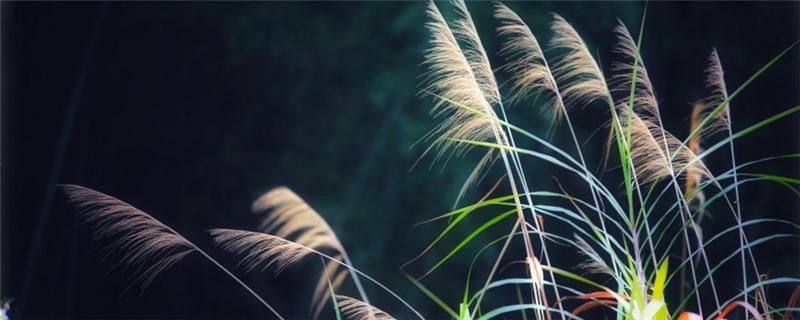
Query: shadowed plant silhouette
(640,230)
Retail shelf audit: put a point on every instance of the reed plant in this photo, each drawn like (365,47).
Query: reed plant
(637,242)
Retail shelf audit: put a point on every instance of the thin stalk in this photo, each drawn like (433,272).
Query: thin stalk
(494,267)
(235,278)
(356,281)
(629,173)
(594,192)
(738,212)
(350,267)
(520,216)
(637,61)
(524,183)
(683,206)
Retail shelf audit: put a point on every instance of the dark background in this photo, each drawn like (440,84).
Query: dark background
(189,111)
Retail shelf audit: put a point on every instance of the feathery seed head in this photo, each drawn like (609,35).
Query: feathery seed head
(579,76)
(146,245)
(354,309)
(527,67)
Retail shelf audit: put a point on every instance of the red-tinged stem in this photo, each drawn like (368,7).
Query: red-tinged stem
(792,302)
(747,307)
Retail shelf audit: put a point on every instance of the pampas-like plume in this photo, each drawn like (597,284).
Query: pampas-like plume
(464,29)
(139,238)
(701,109)
(715,79)
(652,146)
(645,103)
(147,246)
(451,78)
(259,249)
(593,262)
(694,196)
(465,88)
(580,78)
(291,216)
(529,71)
(354,309)
(265,250)
(462,79)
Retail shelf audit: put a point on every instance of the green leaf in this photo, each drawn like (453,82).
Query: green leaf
(334,302)
(433,297)
(658,290)
(471,236)
(463,309)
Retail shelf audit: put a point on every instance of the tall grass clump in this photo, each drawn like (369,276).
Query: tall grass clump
(639,226)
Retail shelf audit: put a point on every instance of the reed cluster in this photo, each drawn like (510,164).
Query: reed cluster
(636,242)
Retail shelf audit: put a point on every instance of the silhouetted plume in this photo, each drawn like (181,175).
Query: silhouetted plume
(147,246)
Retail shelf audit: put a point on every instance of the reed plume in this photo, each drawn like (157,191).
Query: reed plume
(531,73)
(460,100)
(644,101)
(259,249)
(695,197)
(462,77)
(473,50)
(655,151)
(450,76)
(147,246)
(465,89)
(593,263)
(528,68)
(652,147)
(715,79)
(265,250)
(580,78)
(354,309)
(292,218)
(701,109)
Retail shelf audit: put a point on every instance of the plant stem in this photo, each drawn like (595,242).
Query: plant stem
(239,281)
